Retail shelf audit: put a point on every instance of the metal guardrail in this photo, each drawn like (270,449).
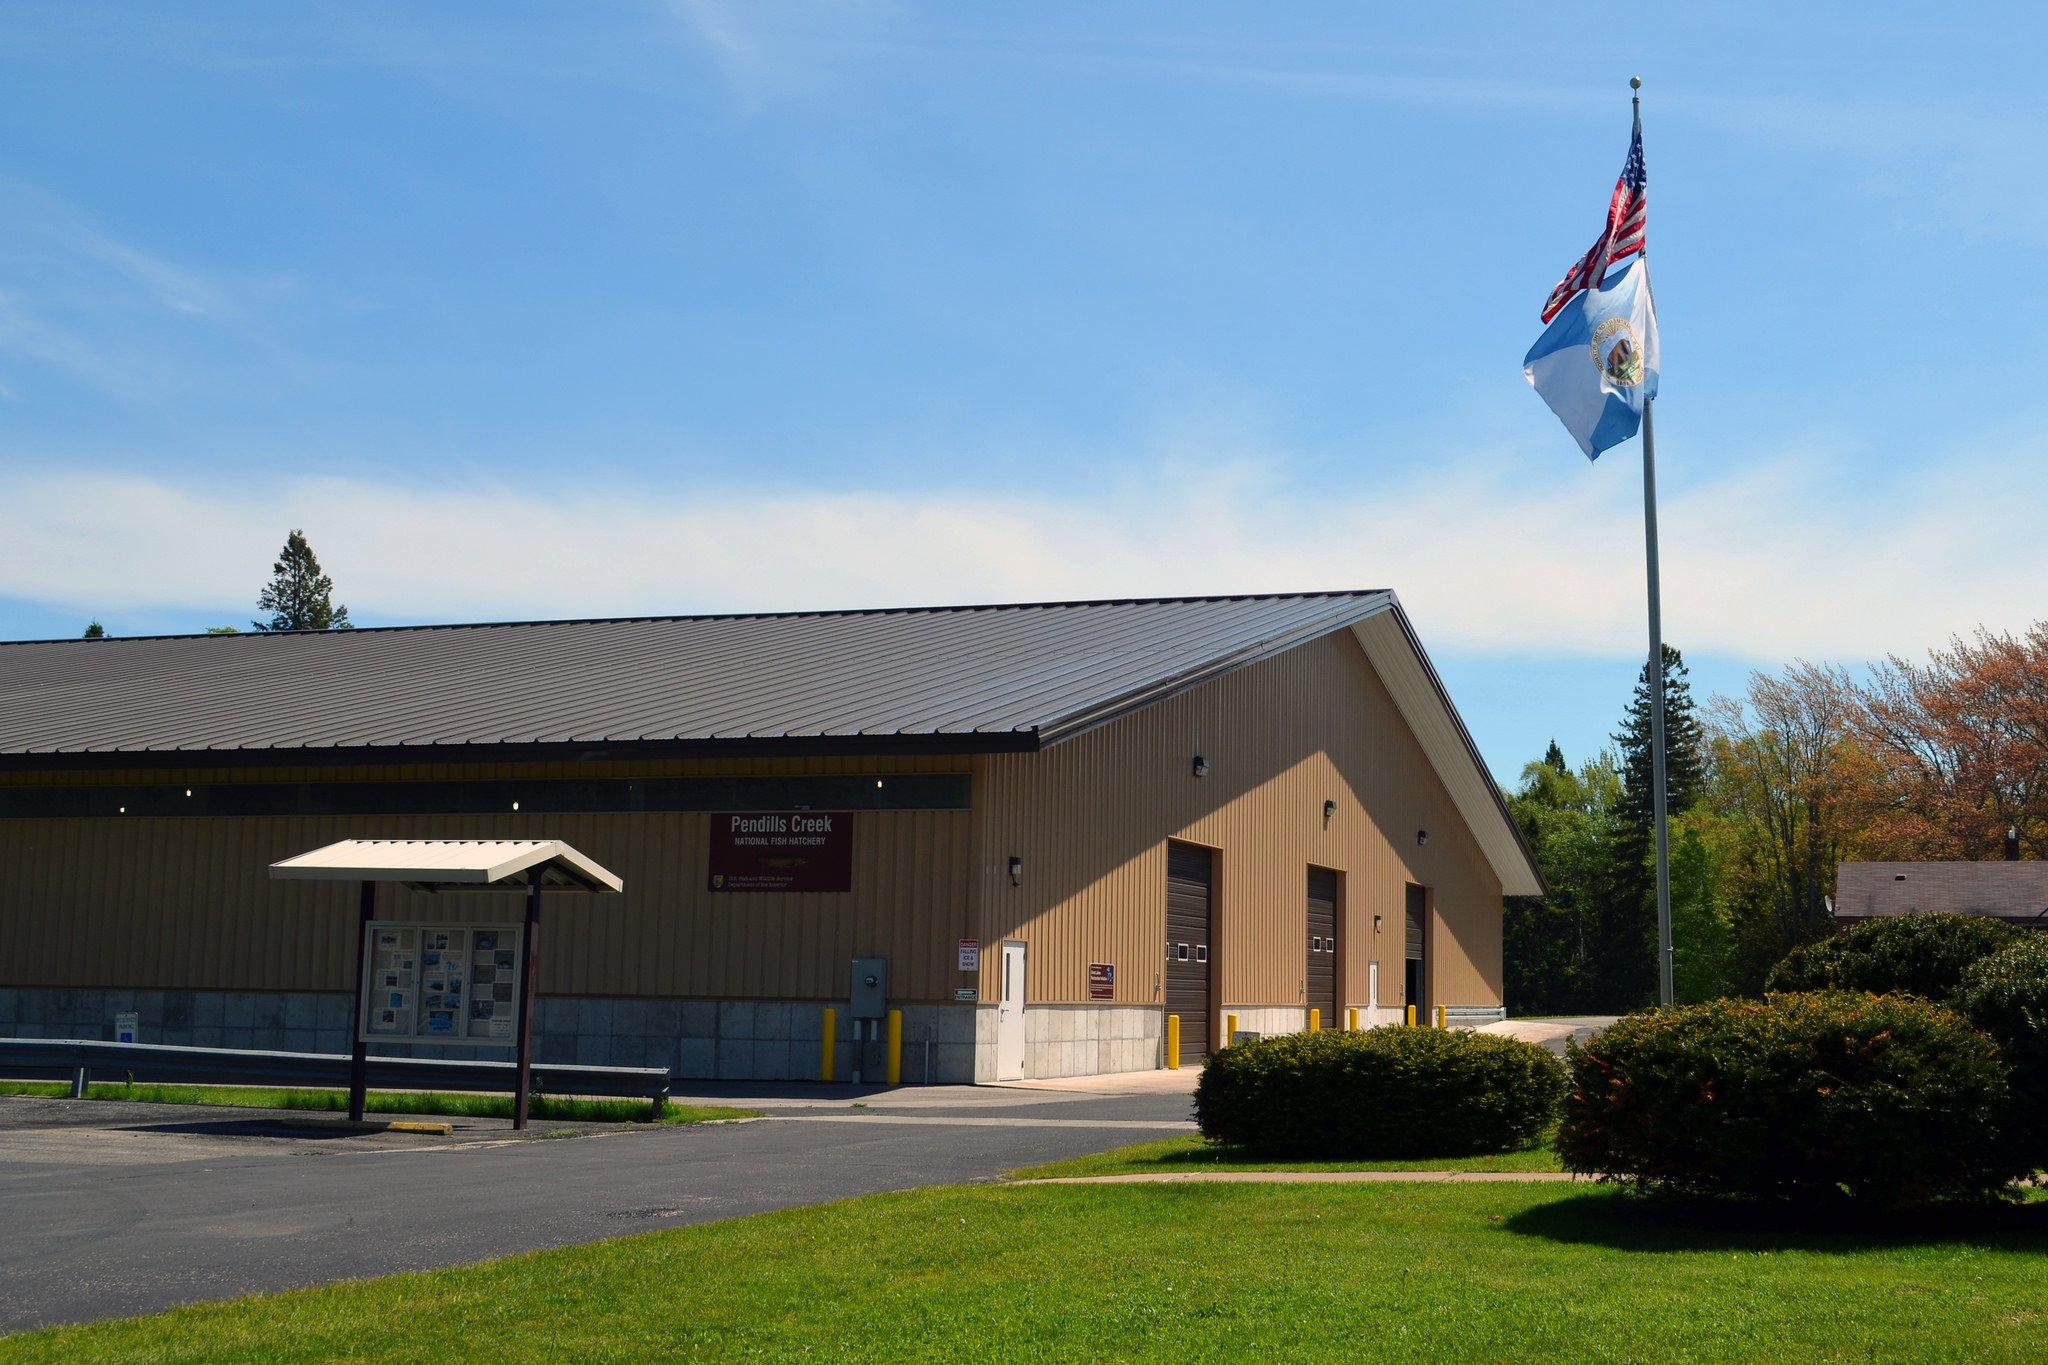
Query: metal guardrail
(79,1059)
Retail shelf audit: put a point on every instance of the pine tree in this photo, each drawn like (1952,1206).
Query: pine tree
(299,596)
(1684,748)
(1554,757)
(1625,968)
(94,631)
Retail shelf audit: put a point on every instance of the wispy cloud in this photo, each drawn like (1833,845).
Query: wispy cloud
(764,52)
(1502,554)
(103,310)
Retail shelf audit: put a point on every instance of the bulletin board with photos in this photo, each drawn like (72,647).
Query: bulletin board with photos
(441,983)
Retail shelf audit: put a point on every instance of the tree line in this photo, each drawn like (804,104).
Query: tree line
(298,596)
(1769,792)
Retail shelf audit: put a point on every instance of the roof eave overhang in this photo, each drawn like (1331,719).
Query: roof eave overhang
(581,751)
(1425,704)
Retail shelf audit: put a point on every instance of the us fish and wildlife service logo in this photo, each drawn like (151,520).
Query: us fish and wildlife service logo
(1617,352)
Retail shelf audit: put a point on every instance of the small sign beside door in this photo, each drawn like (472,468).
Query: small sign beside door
(966,993)
(1102,981)
(970,954)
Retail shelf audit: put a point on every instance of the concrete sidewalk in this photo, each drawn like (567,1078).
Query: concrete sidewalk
(781,1097)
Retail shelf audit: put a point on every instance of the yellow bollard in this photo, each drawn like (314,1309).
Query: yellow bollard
(1440,1016)
(1229,1029)
(1315,1021)
(1411,1016)
(1351,1019)
(1173,1042)
(893,1068)
(831,1041)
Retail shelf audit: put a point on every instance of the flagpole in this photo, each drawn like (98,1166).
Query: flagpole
(1657,799)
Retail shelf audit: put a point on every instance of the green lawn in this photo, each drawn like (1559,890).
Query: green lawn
(1192,1154)
(382,1102)
(1394,1272)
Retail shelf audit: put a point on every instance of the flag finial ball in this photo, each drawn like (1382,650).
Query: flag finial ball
(1635,82)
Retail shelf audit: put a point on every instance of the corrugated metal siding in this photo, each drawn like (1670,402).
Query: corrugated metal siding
(1410,682)
(1091,817)
(173,902)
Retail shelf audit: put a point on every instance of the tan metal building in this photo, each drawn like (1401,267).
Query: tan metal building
(1055,823)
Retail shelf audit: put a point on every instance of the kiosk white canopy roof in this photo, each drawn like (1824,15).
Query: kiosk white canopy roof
(450,864)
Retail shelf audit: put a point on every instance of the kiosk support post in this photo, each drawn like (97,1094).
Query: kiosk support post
(359,1056)
(530,954)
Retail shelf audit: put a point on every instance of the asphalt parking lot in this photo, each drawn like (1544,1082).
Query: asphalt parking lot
(114,1209)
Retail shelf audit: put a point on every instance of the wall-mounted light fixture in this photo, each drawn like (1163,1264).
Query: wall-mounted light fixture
(1016,870)
(1329,809)
(1375,924)
(515,805)
(1421,836)
(1201,766)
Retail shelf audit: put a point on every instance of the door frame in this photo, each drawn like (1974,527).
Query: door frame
(1004,1024)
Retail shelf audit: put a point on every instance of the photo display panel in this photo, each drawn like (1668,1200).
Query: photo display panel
(441,983)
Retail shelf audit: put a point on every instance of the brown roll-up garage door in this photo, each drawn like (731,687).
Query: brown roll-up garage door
(1417,978)
(1189,878)
(1322,944)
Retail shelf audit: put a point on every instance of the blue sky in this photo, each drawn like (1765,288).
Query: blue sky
(531,310)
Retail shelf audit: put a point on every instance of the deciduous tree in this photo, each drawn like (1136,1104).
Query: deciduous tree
(1963,740)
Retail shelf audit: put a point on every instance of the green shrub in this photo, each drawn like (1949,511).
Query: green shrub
(1832,1095)
(1923,955)
(2006,995)
(1387,1092)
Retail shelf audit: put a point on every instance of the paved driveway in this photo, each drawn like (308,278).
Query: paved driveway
(1552,1033)
(114,1209)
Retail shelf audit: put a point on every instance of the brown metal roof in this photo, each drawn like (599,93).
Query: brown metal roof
(961,678)
(2015,891)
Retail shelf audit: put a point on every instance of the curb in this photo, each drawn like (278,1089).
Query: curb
(429,1127)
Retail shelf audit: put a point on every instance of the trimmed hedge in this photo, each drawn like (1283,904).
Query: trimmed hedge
(2006,995)
(1386,1092)
(1833,1095)
(1923,955)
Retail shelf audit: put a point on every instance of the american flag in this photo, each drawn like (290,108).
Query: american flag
(1622,237)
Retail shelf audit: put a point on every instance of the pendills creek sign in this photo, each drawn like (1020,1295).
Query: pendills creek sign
(803,850)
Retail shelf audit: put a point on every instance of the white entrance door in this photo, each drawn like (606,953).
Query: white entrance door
(1010,1016)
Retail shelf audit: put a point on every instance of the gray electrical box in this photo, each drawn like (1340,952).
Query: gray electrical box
(868,991)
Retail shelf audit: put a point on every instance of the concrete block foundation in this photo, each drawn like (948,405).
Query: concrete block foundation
(760,1040)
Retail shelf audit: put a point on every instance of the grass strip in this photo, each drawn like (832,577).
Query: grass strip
(1192,1153)
(444,1105)
(1179,1273)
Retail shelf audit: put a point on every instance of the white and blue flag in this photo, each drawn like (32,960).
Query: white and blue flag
(1596,364)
